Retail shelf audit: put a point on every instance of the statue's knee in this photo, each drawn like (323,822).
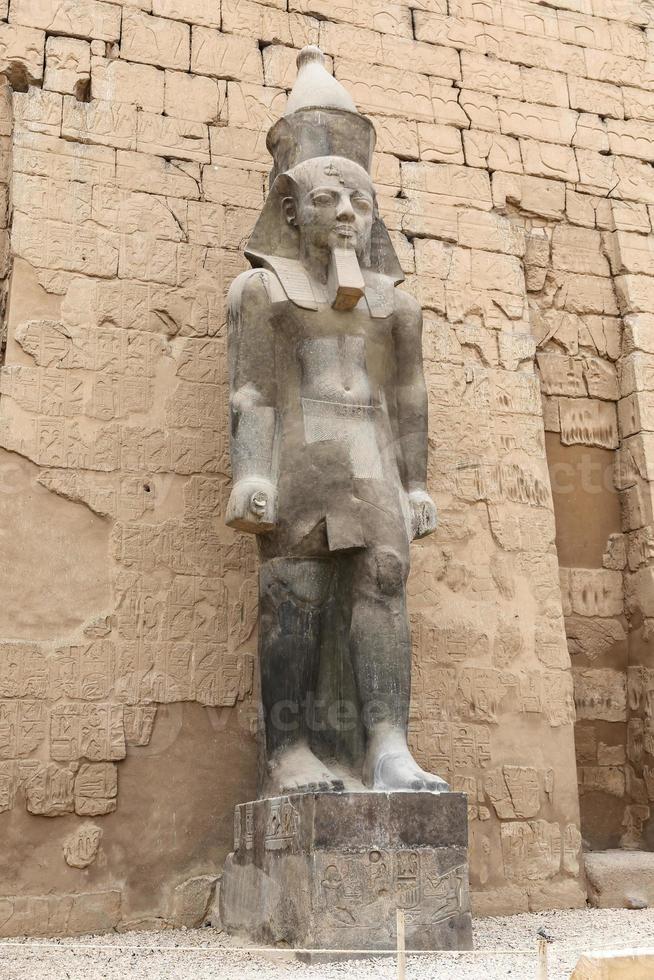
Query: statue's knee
(390,571)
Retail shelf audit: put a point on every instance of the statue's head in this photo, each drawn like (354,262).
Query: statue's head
(331,202)
(321,195)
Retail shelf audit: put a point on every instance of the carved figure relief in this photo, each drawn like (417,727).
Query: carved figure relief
(282,826)
(352,891)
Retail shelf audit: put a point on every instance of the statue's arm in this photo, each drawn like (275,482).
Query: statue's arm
(412,412)
(253,397)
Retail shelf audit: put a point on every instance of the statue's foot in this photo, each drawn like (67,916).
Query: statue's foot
(297,770)
(389,765)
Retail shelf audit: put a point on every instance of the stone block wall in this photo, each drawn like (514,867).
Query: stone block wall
(514,172)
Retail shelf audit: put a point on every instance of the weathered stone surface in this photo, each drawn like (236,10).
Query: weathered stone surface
(225,56)
(194,97)
(390,18)
(534,195)
(493,151)
(124,81)
(154,175)
(592,638)
(329,871)
(440,143)
(619,965)
(266,22)
(552,124)
(545,160)
(68,66)
(183,139)
(619,879)
(600,693)
(192,900)
(85,18)
(205,12)
(601,97)
(105,123)
(22,52)
(155,40)
(60,915)
(412,95)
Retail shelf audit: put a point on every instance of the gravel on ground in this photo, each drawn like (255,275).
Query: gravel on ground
(209,954)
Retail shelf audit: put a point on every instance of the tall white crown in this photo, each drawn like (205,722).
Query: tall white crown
(314,87)
(320,120)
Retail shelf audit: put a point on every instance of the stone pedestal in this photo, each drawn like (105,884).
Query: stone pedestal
(329,870)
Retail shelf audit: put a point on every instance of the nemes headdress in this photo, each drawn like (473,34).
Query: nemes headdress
(320,120)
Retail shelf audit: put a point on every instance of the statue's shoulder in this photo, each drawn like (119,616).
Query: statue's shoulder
(406,306)
(254,286)
(386,300)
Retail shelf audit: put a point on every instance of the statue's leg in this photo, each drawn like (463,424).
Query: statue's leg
(292,594)
(381,649)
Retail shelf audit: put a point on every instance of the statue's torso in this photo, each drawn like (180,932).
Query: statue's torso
(334,369)
(336,448)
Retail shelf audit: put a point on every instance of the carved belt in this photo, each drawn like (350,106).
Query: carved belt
(353,425)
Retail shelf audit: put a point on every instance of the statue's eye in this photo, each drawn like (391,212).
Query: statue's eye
(323,199)
(362,204)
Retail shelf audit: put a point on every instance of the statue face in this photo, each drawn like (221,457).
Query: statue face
(332,205)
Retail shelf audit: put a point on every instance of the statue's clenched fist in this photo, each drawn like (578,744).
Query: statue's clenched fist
(252,506)
(424,518)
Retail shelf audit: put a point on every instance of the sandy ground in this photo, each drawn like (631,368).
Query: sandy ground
(208,953)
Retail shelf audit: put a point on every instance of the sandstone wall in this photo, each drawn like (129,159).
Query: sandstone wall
(514,169)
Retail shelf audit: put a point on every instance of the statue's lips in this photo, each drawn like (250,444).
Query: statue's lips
(344,231)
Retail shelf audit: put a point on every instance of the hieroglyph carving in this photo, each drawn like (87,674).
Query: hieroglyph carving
(81,848)
(353,892)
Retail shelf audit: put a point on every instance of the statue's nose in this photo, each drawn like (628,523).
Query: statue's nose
(345,209)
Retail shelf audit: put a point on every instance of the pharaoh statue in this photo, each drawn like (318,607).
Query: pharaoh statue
(329,453)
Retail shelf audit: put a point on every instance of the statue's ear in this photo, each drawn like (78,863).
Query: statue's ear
(286,187)
(289,210)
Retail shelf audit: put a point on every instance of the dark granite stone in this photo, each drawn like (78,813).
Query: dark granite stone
(329,871)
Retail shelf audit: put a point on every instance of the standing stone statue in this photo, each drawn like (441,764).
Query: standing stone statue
(329,457)
(329,453)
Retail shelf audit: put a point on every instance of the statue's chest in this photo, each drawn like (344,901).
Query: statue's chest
(340,363)
(341,356)
(326,340)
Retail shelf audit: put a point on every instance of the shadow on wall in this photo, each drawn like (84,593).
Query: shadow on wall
(587,514)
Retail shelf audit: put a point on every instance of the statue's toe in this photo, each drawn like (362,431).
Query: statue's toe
(298,770)
(436,785)
(398,771)
(430,784)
